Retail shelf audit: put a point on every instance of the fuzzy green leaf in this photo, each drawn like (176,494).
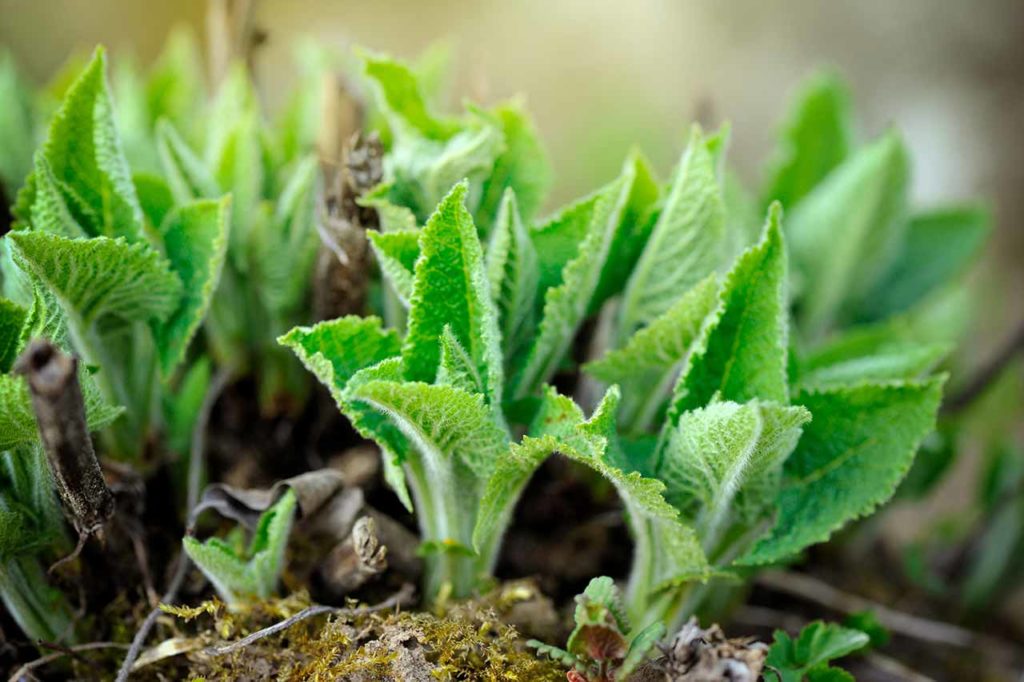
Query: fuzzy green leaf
(443,422)
(686,244)
(816,138)
(17,127)
(513,273)
(939,246)
(155,198)
(288,243)
(667,549)
(506,484)
(744,355)
(450,289)
(187,175)
(846,233)
(402,101)
(522,167)
(50,210)
(84,154)
(851,457)
(335,352)
(723,463)
(875,353)
(100,276)
(396,254)
(12,320)
(649,363)
(566,305)
(255,575)
(195,241)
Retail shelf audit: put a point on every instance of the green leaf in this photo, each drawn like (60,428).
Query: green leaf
(511,474)
(816,138)
(444,423)
(288,244)
(84,154)
(875,353)
(846,234)
(155,198)
(238,167)
(567,303)
(392,218)
(12,320)
(335,352)
(195,241)
(450,289)
(651,359)
(858,447)
(600,605)
(396,254)
(456,367)
(667,550)
(175,89)
(17,127)
(513,273)
(744,355)
(187,175)
(50,211)
(399,96)
(723,464)
(266,551)
(522,167)
(640,645)
(816,645)
(939,246)
(686,244)
(236,578)
(100,276)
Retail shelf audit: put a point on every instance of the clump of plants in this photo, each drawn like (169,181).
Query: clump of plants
(749,375)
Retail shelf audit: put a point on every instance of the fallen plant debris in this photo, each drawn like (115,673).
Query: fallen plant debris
(731,379)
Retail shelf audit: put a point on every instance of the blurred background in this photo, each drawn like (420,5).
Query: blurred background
(602,76)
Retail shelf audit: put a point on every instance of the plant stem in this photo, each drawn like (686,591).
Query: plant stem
(39,610)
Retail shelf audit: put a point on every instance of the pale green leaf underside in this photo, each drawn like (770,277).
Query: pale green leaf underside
(396,253)
(440,421)
(858,446)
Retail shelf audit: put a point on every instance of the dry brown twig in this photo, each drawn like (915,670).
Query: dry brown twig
(52,378)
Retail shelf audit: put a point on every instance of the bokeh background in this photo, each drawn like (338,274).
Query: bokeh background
(601,76)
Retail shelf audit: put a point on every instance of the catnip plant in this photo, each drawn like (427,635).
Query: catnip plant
(726,454)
